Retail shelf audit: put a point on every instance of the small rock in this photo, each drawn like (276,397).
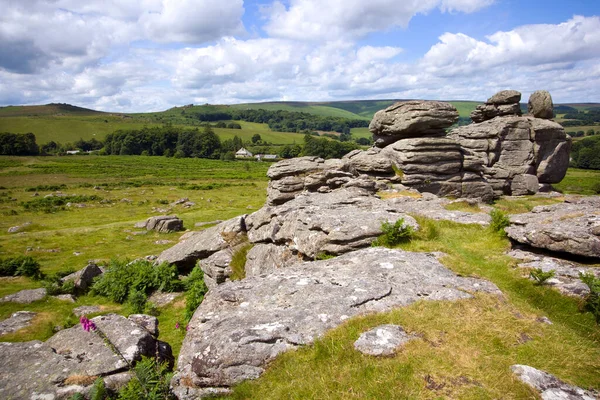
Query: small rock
(161,299)
(550,387)
(76,253)
(86,310)
(65,297)
(17,321)
(84,277)
(25,296)
(163,241)
(383,340)
(544,320)
(18,228)
(164,224)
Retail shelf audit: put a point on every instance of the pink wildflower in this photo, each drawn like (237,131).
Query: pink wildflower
(87,324)
(177,325)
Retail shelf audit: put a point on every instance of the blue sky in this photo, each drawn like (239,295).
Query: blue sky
(149,55)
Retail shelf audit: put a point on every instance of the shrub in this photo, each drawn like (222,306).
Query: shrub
(21,266)
(592,300)
(98,391)
(152,382)
(540,277)
(394,234)
(54,286)
(195,289)
(499,221)
(137,299)
(121,277)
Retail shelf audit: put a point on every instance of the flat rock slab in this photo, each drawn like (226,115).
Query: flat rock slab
(25,296)
(566,273)
(383,340)
(572,227)
(160,299)
(550,387)
(433,207)
(71,359)
(17,321)
(242,325)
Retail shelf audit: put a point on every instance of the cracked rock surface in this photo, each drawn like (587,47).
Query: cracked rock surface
(383,340)
(242,325)
(69,361)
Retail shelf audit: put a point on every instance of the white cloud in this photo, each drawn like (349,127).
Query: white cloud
(316,20)
(194,21)
(530,45)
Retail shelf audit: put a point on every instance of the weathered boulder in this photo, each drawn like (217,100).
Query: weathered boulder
(164,224)
(329,223)
(369,162)
(242,325)
(524,184)
(84,277)
(148,322)
(25,296)
(194,246)
(312,174)
(18,320)
(502,103)
(410,119)
(383,340)
(540,105)
(70,361)
(550,387)
(216,267)
(567,227)
(504,147)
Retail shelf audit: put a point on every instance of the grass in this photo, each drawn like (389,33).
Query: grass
(463,206)
(132,189)
(238,262)
(524,204)
(465,348)
(579,181)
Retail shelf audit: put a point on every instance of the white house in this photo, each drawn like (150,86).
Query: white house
(243,153)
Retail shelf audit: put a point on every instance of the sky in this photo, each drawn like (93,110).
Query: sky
(151,55)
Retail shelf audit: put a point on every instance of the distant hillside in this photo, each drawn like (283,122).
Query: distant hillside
(68,123)
(52,109)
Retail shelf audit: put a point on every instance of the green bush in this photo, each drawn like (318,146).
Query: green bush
(592,300)
(195,289)
(152,382)
(394,234)
(137,299)
(499,221)
(20,266)
(98,391)
(122,277)
(540,277)
(54,286)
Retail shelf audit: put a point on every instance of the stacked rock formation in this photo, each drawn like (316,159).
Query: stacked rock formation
(501,153)
(506,102)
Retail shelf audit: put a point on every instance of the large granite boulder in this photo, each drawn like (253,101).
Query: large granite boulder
(194,246)
(412,119)
(164,224)
(502,103)
(241,326)
(540,105)
(571,227)
(70,361)
(506,147)
(323,223)
(83,278)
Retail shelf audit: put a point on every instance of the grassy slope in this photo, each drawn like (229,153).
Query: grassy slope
(465,348)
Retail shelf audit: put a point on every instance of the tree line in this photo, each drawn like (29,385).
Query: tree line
(282,121)
(585,153)
(582,118)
